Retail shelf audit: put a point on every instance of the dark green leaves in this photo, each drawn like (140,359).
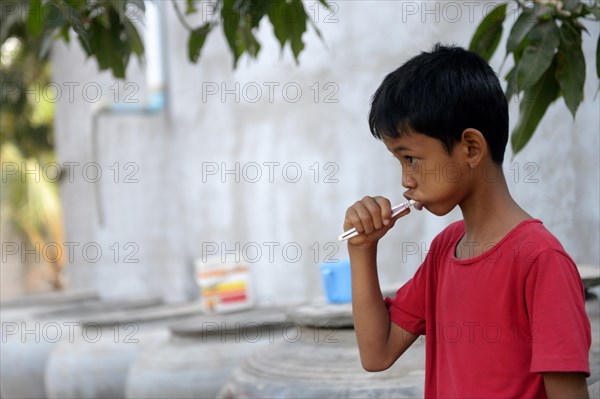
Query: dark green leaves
(280,28)
(231,22)
(527,20)
(35,22)
(546,45)
(488,34)
(532,108)
(111,51)
(106,31)
(103,28)
(570,69)
(75,19)
(241,18)
(289,24)
(196,41)
(537,56)
(297,28)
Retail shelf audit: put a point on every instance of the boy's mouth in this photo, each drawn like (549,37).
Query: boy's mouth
(418,205)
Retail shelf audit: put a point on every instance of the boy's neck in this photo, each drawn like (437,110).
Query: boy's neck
(490,212)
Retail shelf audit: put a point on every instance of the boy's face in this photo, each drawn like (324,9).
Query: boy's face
(438,181)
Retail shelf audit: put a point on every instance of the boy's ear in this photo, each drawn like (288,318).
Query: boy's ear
(475,146)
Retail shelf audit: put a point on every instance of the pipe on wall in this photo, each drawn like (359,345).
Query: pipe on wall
(155,103)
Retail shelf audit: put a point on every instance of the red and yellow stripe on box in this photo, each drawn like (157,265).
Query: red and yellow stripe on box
(234,291)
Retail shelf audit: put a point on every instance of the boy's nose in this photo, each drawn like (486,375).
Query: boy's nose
(408,180)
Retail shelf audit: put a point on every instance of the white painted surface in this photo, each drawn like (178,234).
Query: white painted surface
(171,211)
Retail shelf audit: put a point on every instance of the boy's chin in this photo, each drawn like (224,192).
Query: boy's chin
(438,210)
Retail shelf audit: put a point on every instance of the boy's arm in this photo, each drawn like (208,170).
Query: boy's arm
(380,342)
(565,385)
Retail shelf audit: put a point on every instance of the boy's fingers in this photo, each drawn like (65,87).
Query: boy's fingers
(370,215)
(386,209)
(375,212)
(365,217)
(353,220)
(363,222)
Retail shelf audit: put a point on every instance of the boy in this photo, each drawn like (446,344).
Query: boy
(498,298)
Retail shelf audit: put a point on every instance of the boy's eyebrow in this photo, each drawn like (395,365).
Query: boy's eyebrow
(400,148)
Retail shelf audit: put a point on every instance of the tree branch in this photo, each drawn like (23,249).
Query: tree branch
(181,17)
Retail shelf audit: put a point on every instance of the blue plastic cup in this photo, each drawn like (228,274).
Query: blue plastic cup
(337,281)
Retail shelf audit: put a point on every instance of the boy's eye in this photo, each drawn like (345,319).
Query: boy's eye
(410,160)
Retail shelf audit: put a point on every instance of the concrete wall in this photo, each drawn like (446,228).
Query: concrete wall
(174,211)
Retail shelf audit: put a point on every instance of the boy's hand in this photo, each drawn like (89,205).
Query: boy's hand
(372,218)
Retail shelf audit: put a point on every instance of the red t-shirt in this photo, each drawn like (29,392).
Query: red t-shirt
(494,322)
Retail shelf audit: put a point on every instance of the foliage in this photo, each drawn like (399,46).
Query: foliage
(106,29)
(545,40)
(546,45)
(25,115)
(29,202)
(32,205)
(240,20)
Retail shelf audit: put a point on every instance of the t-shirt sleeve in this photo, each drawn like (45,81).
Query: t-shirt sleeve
(407,309)
(560,328)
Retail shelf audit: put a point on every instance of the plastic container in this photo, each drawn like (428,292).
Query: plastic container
(337,281)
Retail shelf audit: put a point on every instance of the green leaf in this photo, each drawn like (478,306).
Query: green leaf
(533,106)
(107,44)
(276,16)
(511,86)
(196,41)
(134,39)
(119,51)
(518,52)
(297,28)
(35,18)
(520,29)
(250,44)
(54,17)
(74,19)
(63,33)
(488,34)
(537,57)
(231,22)
(578,10)
(570,68)
(76,4)
(257,10)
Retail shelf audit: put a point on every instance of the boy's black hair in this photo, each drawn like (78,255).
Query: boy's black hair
(440,94)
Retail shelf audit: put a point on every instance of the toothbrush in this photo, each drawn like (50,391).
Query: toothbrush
(395,212)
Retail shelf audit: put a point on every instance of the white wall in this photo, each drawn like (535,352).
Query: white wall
(171,212)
